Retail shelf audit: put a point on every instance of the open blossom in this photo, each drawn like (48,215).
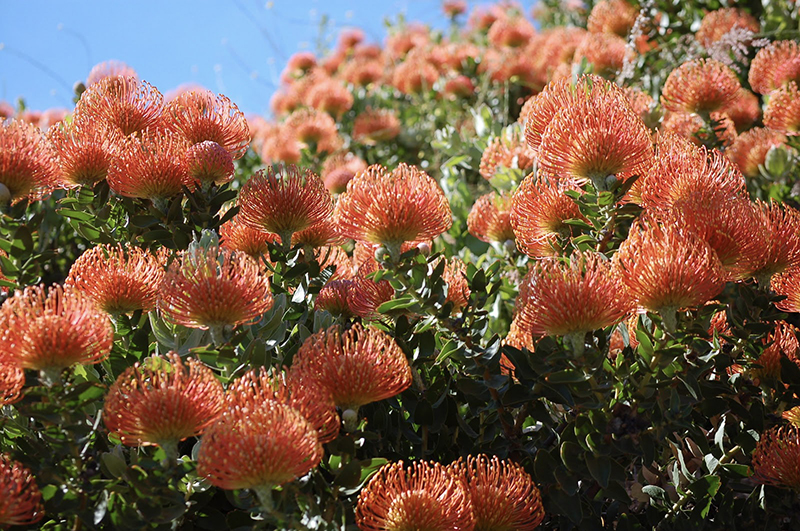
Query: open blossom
(20,498)
(505,152)
(749,150)
(333,298)
(209,163)
(744,111)
(612,16)
(339,169)
(162,401)
(84,152)
(12,380)
(775,66)
(375,125)
(112,68)
(787,284)
(504,496)
(490,218)
(125,103)
(118,279)
(313,129)
(414,75)
(423,495)
(510,31)
(699,86)
(779,240)
(606,52)
(783,110)
(330,96)
(720,128)
(776,459)
(27,166)
(717,23)
(237,235)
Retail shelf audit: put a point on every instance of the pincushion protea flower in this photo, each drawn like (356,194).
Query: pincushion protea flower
(284,202)
(779,241)
(744,111)
(664,269)
(612,16)
(214,289)
(355,366)
(339,169)
(125,103)
(84,152)
(330,96)
(209,163)
(511,32)
(111,68)
(504,496)
(505,152)
(365,295)
(162,401)
(333,298)
(12,380)
(326,232)
(49,330)
(258,445)
(552,286)
(490,218)
(717,23)
(539,208)
(775,66)
(256,386)
(20,499)
(749,150)
(606,52)
(236,235)
(422,496)
(313,129)
(782,343)
(27,167)
(597,136)
(699,86)
(787,284)
(783,110)
(454,275)
(415,75)
(393,207)
(776,459)
(375,125)
(118,279)
(718,129)
(203,115)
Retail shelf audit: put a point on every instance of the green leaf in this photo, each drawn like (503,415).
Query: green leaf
(401,303)
(74,214)
(567,376)
(706,488)
(600,468)
(656,493)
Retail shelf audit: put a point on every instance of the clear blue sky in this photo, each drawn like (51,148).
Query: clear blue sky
(236,47)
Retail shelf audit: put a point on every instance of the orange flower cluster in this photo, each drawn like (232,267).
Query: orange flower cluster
(20,499)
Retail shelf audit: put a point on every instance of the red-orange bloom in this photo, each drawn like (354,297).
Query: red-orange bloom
(337,258)
(700,86)
(539,208)
(313,129)
(779,240)
(162,401)
(365,295)
(27,167)
(151,166)
(775,66)
(717,23)
(258,445)
(375,125)
(454,275)
(284,202)
(333,298)
(787,284)
(125,103)
(665,269)
(612,16)
(505,152)
(339,169)
(606,53)
(782,343)
(213,289)
(330,96)
(719,128)
(209,163)
(324,233)
(12,380)
(20,499)
(393,207)
(203,115)
(783,110)
(118,279)
(110,68)
(423,496)
(53,329)
(414,75)
(504,496)
(237,235)
(356,366)
(749,150)
(510,31)
(490,218)
(361,72)
(84,152)
(744,111)
(776,459)
(552,286)
(262,386)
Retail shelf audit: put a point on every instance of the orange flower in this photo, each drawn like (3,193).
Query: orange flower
(236,235)
(749,150)
(324,233)
(779,240)
(111,68)
(744,111)
(505,152)
(641,102)
(719,22)
(699,86)
(330,96)
(27,166)
(20,499)
(151,166)
(539,208)
(414,75)
(12,380)
(393,207)
(551,288)
(375,125)
(365,295)
(124,103)
(787,284)
(339,169)
(455,276)
(782,343)
(422,496)
(612,16)
(665,269)
(355,366)
(257,446)
(783,110)
(459,87)
(511,32)
(775,66)
(313,129)
(793,416)
(261,386)
(118,279)
(84,152)
(209,163)
(335,257)
(160,402)
(333,298)
(49,330)
(361,72)
(719,128)
(406,39)
(214,289)
(284,202)
(776,459)
(298,65)
(504,496)
(606,53)
(490,218)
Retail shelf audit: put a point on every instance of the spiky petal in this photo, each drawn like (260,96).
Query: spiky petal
(12,380)
(783,110)
(490,218)
(27,167)
(84,151)
(699,86)
(123,102)
(20,499)
(775,66)
(750,149)
(776,459)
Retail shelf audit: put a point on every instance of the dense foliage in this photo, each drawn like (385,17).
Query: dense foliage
(580,254)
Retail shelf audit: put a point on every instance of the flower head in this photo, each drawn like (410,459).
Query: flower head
(330,96)
(612,16)
(606,52)
(125,103)
(719,128)
(375,125)
(118,279)
(84,152)
(362,72)
(511,32)
(414,75)
(209,163)
(490,218)
(783,110)
(162,401)
(717,23)
(781,343)
(776,459)
(356,366)
(779,241)
(324,233)
(284,202)
(203,115)
(53,329)
(744,111)
(393,207)
(27,166)
(112,68)
(333,298)
(422,496)
(749,150)
(775,66)
(313,129)
(504,496)
(505,152)
(787,284)
(12,380)
(339,169)
(236,235)
(214,288)
(700,86)
(20,499)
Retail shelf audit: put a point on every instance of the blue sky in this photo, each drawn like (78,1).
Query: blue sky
(236,47)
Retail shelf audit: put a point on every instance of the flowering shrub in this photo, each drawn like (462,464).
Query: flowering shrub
(507,275)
